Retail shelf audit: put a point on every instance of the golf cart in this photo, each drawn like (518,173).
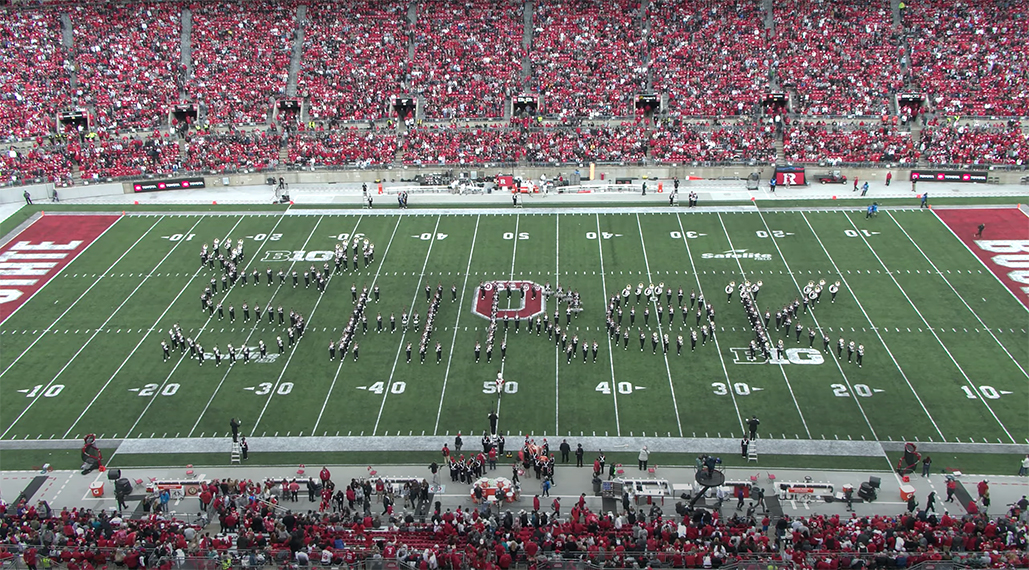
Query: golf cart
(834,177)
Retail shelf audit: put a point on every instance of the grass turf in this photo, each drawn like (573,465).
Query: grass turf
(105,353)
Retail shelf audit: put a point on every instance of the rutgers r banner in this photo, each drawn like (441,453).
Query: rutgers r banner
(527,297)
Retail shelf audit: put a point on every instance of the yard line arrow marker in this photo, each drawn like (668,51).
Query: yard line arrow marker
(1005,392)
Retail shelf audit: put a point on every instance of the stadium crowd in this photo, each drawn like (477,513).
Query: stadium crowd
(467,57)
(128,62)
(122,66)
(362,520)
(817,140)
(352,66)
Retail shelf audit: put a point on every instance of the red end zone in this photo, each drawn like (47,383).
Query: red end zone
(40,252)
(1003,247)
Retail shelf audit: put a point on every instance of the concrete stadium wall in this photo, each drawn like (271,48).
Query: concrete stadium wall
(608,172)
(41,192)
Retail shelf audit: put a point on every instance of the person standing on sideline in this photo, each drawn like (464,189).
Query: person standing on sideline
(743,447)
(930,502)
(55,197)
(244,448)
(752,423)
(565,450)
(1023,470)
(864,189)
(914,181)
(546,487)
(644,188)
(644,457)
(579,452)
(952,486)
(983,487)
(979,231)
(925,200)
(927,463)
(28,198)
(889,177)
(771,184)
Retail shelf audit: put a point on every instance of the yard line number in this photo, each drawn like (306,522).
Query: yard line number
(521,235)
(862,390)
(689,235)
(854,233)
(988,392)
(740,388)
(50,392)
(151,389)
(622,387)
(510,387)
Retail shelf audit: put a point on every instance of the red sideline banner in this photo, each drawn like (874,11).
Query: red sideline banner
(42,250)
(1003,246)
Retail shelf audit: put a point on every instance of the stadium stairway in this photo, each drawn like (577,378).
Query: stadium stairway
(645,33)
(766,5)
(298,51)
(527,28)
(186,42)
(68,44)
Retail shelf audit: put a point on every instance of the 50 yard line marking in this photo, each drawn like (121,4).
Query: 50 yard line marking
(610,352)
(557,353)
(257,323)
(873,327)
(143,339)
(382,261)
(932,331)
(700,289)
(453,341)
(76,301)
(403,334)
(660,331)
(965,303)
(98,329)
(781,368)
(514,256)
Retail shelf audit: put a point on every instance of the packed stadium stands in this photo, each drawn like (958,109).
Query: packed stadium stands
(245,523)
(840,66)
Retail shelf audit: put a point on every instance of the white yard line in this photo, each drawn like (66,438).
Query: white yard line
(403,333)
(874,328)
(76,301)
(932,331)
(96,332)
(981,262)
(310,318)
(382,261)
(781,367)
(453,340)
(557,354)
(814,319)
(660,331)
(700,290)
(257,323)
(142,339)
(965,303)
(514,256)
(610,351)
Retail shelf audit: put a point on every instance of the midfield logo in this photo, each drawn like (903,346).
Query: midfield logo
(738,254)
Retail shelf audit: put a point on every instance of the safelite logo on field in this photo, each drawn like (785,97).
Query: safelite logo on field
(738,254)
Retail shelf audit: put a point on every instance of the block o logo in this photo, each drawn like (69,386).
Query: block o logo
(529,305)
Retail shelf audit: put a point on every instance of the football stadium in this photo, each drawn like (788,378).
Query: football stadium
(271,271)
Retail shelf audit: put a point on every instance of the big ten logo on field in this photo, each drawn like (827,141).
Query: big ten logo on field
(741,355)
(526,299)
(1010,254)
(297,256)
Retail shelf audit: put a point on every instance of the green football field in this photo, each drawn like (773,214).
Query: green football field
(946,347)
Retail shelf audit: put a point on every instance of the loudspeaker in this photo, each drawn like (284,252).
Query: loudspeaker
(874,482)
(113,474)
(123,486)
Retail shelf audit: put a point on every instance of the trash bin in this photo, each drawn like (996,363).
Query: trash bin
(96,488)
(596,486)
